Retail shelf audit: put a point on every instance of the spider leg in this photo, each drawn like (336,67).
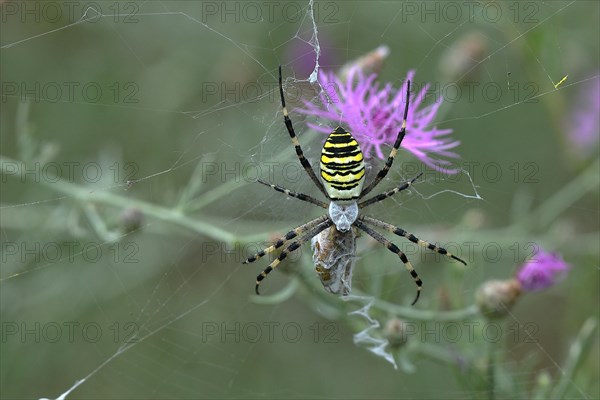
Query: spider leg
(401,232)
(287,237)
(293,246)
(383,196)
(288,123)
(394,249)
(383,172)
(290,193)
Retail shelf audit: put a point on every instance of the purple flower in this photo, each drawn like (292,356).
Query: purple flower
(374,114)
(542,271)
(584,124)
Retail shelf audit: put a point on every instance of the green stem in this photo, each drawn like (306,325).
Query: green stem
(569,194)
(411,313)
(580,349)
(84,195)
(491,371)
(441,354)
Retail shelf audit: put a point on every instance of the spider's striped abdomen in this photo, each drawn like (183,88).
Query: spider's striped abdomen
(342,166)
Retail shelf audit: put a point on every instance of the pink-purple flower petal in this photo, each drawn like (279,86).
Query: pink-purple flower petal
(374,114)
(542,271)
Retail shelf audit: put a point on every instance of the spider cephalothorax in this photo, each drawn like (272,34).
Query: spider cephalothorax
(333,235)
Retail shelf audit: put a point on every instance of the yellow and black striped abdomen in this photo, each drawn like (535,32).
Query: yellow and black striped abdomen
(342,166)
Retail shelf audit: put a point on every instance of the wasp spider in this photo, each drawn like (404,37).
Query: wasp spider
(343,175)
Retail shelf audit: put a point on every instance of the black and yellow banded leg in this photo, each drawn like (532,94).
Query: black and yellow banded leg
(293,246)
(288,123)
(392,192)
(290,193)
(287,237)
(388,164)
(394,249)
(401,232)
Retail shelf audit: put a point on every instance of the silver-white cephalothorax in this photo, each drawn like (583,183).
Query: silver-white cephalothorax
(343,215)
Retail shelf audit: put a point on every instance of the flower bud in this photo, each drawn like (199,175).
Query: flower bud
(495,298)
(395,332)
(131,219)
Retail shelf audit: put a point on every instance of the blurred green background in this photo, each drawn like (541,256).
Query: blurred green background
(156,116)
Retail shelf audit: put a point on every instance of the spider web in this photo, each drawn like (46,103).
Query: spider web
(122,246)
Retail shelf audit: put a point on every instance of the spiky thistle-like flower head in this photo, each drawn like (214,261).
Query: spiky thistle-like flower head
(374,114)
(542,271)
(496,297)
